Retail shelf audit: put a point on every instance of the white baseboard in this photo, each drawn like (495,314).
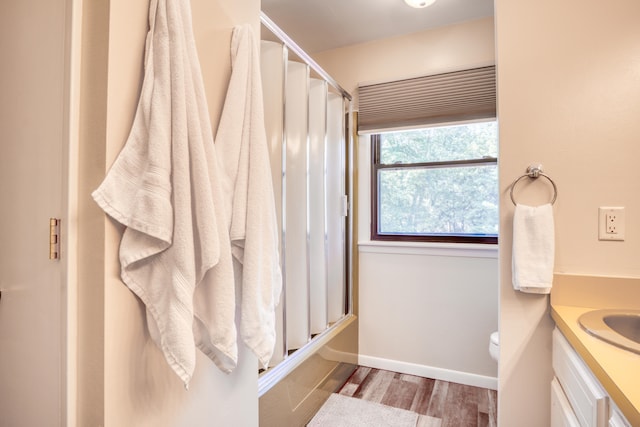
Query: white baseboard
(429,372)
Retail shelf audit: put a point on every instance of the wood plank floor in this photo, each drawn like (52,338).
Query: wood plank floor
(439,403)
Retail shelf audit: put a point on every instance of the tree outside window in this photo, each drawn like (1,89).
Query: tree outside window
(436,184)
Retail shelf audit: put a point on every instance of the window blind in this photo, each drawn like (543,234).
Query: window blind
(447,97)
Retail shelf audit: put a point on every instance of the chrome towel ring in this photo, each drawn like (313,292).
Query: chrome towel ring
(533,172)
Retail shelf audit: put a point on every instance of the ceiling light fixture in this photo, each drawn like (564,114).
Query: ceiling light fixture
(419,4)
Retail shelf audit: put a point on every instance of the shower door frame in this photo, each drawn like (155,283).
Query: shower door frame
(331,354)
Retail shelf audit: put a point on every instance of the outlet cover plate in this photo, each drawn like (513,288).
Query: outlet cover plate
(607,214)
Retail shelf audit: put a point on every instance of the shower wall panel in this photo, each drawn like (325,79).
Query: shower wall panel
(317,195)
(273,55)
(336,207)
(295,194)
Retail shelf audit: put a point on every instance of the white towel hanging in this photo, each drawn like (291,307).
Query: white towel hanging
(533,248)
(244,156)
(163,188)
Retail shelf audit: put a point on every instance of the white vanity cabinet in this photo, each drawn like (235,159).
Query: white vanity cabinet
(577,397)
(562,414)
(616,419)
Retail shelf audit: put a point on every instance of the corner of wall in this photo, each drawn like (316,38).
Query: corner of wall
(91,223)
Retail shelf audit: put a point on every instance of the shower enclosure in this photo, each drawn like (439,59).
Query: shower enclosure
(308,120)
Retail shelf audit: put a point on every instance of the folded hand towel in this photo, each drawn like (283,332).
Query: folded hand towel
(533,248)
(161,188)
(241,143)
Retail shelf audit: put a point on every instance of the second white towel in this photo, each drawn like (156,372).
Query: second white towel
(241,143)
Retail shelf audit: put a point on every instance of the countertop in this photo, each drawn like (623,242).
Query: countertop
(618,370)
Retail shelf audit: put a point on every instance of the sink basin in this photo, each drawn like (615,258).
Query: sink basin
(618,327)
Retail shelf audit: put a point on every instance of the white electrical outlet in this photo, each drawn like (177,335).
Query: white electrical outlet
(611,223)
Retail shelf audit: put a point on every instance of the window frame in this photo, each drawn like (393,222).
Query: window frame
(376,166)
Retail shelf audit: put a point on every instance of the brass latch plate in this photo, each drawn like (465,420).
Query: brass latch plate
(54,238)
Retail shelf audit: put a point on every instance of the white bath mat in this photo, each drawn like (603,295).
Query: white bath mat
(344,411)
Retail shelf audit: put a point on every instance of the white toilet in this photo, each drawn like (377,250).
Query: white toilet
(494,346)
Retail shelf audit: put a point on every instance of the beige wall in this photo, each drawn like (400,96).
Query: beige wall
(427,311)
(455,47)
(123,374)
(91,221)
(569,98)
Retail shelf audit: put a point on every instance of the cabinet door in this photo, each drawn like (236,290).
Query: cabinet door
(617,419)
(585,394)
(561,413)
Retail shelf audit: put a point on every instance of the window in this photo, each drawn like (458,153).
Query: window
(437,184)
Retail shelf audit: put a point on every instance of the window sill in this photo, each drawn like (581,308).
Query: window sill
(468,250)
